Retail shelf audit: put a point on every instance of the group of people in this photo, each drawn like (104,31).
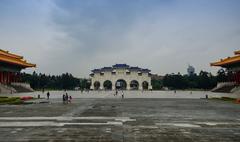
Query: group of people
(66,98)
(116,93)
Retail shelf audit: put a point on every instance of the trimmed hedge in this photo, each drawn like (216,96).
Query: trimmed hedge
(10,100)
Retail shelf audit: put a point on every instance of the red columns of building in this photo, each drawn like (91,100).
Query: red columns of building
(15,77)
(8,77)
(4,78)
(1,77)
(11,77)
(236,77)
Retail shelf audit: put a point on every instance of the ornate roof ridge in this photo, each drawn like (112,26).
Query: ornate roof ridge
(7,57)
(228,60)
(7,53)
(119,66)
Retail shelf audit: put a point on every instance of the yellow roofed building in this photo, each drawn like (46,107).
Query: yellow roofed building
(10,66)
(232,65)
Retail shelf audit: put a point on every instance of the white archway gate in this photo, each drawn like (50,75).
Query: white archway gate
(132,76)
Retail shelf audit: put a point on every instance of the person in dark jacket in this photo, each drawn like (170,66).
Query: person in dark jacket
(48,95)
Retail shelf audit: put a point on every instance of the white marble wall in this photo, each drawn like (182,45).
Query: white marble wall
(121,74)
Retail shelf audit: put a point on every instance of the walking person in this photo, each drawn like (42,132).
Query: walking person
(66,96)
(48,95)
(63,98)
(122,95)
(70,99)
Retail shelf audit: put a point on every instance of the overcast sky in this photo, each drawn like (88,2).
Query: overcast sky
(77,36)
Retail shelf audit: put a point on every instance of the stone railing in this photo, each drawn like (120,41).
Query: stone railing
(27,85)
(222,84)
(6,89)
(24,85)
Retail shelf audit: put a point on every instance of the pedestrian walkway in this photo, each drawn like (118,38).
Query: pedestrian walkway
(134,119)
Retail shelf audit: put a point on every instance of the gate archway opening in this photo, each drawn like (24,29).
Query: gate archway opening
(134,85)
(107,85)
(96,85)
(145,85)
(121,84)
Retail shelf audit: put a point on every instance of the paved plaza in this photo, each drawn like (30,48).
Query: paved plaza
(111,119)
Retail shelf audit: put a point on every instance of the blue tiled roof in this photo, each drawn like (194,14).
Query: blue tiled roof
(145,70)
(125,66)
(134,68)
(120,66)
(96,70)
(106,68)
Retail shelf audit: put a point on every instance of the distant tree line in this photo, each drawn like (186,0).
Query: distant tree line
(204,80)
(54,82)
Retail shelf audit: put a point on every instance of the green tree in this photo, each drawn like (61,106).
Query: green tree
(157,84)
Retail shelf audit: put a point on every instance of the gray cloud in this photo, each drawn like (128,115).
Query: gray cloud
(79,35)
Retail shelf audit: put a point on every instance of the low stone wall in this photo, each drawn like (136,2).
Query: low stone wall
(23,86)
(221,84)
(236,90)
(4,89)
(27,85)
(224,87)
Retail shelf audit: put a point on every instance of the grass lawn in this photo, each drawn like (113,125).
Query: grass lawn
(11,100)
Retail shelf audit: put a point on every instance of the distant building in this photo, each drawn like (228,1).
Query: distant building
(10,67)
(190,70)
(121,76)
(232,66)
